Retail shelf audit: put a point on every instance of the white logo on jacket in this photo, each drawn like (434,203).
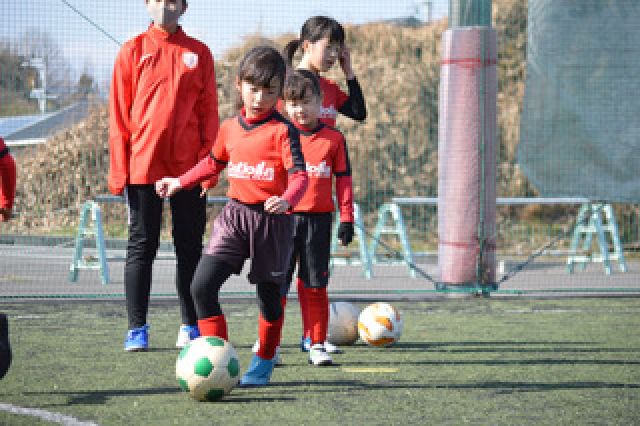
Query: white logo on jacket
(319,171)
(244,170)
(190,59)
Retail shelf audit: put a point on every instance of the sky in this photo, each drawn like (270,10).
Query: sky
(220,24)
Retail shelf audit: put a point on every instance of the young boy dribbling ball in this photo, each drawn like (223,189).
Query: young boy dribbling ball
(267,177)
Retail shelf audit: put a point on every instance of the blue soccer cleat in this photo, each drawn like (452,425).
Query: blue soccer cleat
(137,339)
(305,344)
(259,372)
(186,334)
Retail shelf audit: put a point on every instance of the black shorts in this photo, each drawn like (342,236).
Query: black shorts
(243,231)
(311,249)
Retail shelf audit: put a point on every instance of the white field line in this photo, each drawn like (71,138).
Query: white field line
(45,415)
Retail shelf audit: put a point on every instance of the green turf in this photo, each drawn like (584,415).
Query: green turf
(481,361)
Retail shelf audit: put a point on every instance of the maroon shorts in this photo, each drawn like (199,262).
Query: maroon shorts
(243,231)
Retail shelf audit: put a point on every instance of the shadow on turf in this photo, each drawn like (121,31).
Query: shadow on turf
(501,386)
(100,397)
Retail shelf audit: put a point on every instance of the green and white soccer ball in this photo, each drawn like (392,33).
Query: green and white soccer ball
(208,368)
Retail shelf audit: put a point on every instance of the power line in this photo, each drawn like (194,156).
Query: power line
(86,18)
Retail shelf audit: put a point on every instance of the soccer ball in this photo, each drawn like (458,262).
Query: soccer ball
(379,324)
(208,368)
(343,323)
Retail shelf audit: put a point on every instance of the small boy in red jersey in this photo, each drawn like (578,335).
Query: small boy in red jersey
(267,177)
(163,119)
(325,152)
(7,182)
(322,41)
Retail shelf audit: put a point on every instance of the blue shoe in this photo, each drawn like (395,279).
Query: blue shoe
(259,372)
(137,339)
(305,344)
(186,334)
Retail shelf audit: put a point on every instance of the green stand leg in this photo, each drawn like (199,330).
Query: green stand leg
(90,226)
(392,211)
(596,219)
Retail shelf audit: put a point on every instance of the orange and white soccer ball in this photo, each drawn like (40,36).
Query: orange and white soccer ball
(379,324)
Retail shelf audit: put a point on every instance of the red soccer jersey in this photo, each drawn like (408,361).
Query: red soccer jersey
(259,156)
(325,154)
(163,108)
(332,99)
(7,177)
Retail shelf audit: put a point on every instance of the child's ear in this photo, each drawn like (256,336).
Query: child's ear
(238,84)
(305,45)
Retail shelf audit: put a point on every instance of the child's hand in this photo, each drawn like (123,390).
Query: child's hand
(5,215)
(167,186)
(276,205)
(345,63)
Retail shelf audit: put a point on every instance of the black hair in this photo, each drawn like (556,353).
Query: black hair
(314,29)
(299,83)
(260,66)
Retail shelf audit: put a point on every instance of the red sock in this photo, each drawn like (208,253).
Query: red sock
(268,334)
(304,311)
(213,326)
(283,301)
(318,307)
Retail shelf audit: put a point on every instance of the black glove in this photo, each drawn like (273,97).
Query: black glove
(345,232)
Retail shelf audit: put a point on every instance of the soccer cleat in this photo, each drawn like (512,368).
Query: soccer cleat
(277,359)
(186,334)
(137,339)
(259,372)
(319,356)
(331,348)
(305,344)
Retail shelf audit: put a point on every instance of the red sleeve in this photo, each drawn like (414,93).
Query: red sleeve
(296,186)
(344,193)
(7,180)
(207,168)
(120,101)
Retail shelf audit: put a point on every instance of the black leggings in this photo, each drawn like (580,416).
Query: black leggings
(211,273)
(188,214)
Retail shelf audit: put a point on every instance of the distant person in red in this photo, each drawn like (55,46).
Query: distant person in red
(7,182)
(7,194)
(267,178)
(322,42)
(163,119)
(325,153)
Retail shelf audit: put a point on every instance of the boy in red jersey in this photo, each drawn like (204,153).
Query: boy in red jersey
(7,182)
(163,119)
(267,177)
(7,195)
(325,152)
(322,43)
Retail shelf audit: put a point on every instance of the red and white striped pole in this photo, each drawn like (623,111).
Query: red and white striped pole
(467,151)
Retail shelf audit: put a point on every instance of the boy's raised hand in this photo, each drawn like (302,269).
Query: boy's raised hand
(276,205)
(167,186)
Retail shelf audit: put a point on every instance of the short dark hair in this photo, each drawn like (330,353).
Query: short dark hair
(314,29)
(261,65)
(299,84)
